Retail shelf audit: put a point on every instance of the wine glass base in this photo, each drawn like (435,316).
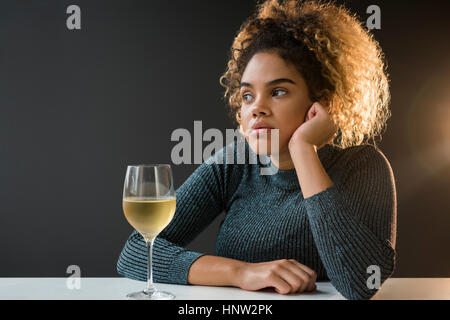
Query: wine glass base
(154,295)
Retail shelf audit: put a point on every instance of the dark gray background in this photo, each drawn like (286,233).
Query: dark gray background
(78,106)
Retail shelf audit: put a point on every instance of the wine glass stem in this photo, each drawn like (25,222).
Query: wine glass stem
(150,286)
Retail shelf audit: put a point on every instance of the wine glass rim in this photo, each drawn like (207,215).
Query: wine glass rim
(148,165)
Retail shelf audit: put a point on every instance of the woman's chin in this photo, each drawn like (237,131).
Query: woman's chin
(260,146)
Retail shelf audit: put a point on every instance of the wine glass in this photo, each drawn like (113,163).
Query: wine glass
(149,204)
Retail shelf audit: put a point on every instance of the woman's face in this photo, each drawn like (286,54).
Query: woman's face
(274,92)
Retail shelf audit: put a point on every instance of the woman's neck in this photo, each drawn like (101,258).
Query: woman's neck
(283,161)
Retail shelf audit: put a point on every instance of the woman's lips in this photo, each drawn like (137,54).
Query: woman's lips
(260,132)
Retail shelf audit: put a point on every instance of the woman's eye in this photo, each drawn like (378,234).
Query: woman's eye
(246,97)
(279,92)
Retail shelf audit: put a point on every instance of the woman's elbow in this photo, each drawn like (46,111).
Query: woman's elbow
(368,284)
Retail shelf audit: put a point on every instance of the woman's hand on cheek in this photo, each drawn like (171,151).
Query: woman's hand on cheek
(317,130)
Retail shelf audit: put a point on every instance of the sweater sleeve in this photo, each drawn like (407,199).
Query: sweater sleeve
(200,200)
(354,224)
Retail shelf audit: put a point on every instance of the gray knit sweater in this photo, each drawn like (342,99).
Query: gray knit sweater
(338,232)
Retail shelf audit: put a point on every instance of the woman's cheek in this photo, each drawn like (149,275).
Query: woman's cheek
(245,122)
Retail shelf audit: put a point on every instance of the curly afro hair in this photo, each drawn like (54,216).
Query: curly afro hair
(337,56)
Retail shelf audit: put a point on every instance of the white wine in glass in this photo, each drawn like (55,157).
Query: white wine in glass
(149,204)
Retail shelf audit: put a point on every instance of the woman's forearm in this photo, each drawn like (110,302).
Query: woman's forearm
(215,271)
(311,174)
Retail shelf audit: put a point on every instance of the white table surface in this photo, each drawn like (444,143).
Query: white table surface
(117,288)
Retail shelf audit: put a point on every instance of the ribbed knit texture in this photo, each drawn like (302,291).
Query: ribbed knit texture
(338,232)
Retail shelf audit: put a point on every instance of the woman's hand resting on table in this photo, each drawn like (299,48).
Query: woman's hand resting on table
(285,276)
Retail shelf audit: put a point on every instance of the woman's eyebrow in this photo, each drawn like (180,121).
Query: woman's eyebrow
(268,84)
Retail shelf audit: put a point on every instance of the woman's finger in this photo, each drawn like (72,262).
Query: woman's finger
(302,266)
(297,278)
(306,278)
(280,285)
(311,273)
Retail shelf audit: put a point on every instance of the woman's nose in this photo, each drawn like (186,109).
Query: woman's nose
(260,109)
(259,113)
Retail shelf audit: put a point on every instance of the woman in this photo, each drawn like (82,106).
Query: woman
(312,71)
